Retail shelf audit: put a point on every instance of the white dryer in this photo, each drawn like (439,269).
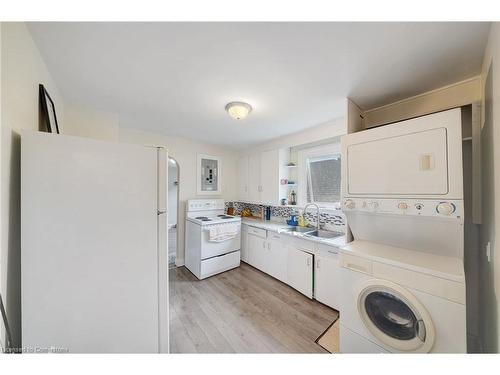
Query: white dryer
(403,275)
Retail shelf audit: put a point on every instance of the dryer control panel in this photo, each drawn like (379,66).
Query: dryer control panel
(452,209)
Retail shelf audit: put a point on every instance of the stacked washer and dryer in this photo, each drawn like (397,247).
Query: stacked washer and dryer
(403,273)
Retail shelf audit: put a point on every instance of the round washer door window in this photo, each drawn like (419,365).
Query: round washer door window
(394,316)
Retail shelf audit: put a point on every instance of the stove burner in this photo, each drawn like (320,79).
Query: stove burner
(203,218)
(225,216)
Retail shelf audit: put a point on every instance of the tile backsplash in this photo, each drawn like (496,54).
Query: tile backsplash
(326,216)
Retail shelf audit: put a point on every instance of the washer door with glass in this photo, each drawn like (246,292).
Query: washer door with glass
(395,317)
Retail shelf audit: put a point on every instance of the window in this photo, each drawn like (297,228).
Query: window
(319,175)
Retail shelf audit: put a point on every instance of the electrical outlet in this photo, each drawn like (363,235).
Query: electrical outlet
(488,251)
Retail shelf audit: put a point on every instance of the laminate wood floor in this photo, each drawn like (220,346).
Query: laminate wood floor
(242,311)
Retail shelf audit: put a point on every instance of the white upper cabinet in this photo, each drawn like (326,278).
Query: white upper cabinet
(269,177)
(259,177)
(243,178)
(254,178)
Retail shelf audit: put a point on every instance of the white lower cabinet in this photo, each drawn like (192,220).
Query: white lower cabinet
(291,261)
(327,279)
(300,271)
(256,251)
(244,243)
(278,257)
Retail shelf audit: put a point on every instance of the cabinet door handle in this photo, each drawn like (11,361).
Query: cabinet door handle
(268,246)
(263,244)
(317,264)
(308,262)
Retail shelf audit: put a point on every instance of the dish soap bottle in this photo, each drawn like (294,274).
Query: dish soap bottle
(302,219)
(293,198)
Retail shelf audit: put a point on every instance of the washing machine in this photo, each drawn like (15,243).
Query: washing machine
(401,301)
(402,275)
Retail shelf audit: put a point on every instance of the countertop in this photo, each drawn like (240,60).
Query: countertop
(281,227)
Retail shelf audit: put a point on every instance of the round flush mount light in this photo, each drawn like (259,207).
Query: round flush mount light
(238,110)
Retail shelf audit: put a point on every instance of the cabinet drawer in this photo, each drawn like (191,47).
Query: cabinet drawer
(219,264)
(305,245)
(259,232)
(328,250)
(273,236)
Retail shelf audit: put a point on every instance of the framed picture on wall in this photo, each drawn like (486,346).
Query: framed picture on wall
(208,175)
(47,111)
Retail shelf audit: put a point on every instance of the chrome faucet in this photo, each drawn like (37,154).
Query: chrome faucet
(317,213)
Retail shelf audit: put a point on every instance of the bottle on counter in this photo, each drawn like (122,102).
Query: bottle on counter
(293,198)
(302,220)
(268,213)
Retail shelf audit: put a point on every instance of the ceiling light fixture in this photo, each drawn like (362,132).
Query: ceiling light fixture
(238,110)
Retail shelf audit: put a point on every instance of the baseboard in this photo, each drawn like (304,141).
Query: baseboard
(179,262)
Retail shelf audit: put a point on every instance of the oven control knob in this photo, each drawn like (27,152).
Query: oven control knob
(403,205)
(419,206)
(349,203)
(445,208)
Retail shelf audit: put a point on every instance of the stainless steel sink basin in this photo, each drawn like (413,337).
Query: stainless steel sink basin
(323,234)
(300,229)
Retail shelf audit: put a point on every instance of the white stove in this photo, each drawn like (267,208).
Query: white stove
(217,219)
(213,239)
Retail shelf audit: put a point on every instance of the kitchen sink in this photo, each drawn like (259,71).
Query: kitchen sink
(323,234)
(299,229)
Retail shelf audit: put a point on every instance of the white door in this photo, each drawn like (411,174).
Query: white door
(327,280)
(162,209)
(261,254)
(89,245)
(256,248)
(244,243)
(243,178)
(278,256)
(300,271)
(254,187)
(269,177)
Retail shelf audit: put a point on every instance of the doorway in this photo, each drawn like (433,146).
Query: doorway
(173,205)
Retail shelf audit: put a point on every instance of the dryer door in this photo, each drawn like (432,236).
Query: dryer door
(408,164)
(395,317)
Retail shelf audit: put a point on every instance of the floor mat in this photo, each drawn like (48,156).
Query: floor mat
(329,340)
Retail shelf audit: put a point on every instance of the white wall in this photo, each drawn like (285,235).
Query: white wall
(87,122)
(22,69)
(490,160)
(185,151)
(327,130)
(2,327)
(173,189)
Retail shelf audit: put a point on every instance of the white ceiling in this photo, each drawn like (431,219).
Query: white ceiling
(176,78)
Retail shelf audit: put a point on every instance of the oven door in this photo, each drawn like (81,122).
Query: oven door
(212,249)
(395,317)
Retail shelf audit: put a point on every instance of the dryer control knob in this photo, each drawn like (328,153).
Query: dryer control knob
(445,208)
(403,206)
(350,204)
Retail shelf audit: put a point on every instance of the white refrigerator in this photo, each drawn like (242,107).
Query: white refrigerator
(94,247)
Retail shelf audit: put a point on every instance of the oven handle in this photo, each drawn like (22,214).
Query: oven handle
(223,239)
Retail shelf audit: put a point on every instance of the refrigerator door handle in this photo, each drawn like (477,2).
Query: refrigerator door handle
(161,212)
